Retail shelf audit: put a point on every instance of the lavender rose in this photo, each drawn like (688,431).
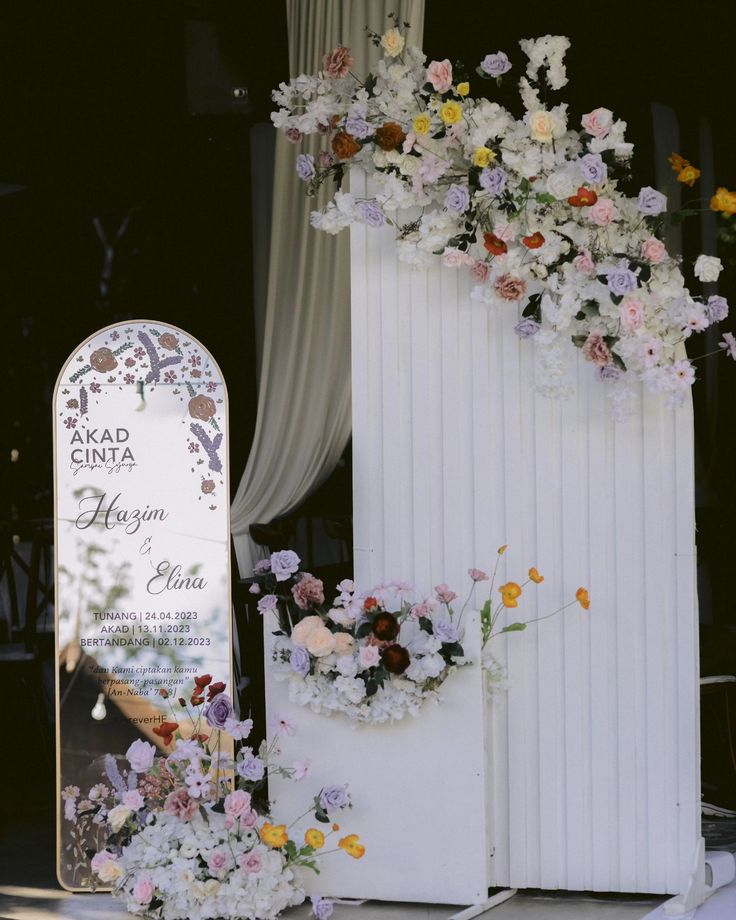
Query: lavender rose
(716,309)
(305,166)
(621,281)
(593,169)
(371,213)
(651,202)
(526,328)
(457,198)
(267,602)
(356,125)
(333,797)
(284,564)
(219,711)
(299,661)
(322,908)
(140,755)
(609,372)
(262,566)
(493,180)
(252,768)
(445,630)
(495,65)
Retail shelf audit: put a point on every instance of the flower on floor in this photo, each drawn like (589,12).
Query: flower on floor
(529,198)
(188,833)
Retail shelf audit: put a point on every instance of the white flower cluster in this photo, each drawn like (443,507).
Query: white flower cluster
(532,206)
(173,857)
(373,659)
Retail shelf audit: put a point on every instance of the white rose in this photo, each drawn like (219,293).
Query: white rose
(140,755)
(320,641)
(561,185)
(541,126)
(110,871)
(304,628)
(347,666)
(352,688)
(341,615)
(118,816)
(707,268)
(409,165)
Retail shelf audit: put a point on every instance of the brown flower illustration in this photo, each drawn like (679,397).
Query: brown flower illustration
(72,404)
(202,407)
(208,486)
(168,340)
(103,360)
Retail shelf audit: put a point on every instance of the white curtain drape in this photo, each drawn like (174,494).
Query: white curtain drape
(303,422)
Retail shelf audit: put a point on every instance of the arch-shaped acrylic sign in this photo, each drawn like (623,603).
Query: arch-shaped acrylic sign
(142,557)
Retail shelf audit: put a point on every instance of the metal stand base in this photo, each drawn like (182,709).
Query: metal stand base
(475,910)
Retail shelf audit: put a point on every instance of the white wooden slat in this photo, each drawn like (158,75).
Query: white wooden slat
(595,742)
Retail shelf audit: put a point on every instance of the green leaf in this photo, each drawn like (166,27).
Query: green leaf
(545,198)
(514,627)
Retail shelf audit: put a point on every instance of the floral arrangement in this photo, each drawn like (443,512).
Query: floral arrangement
(530,204)
(190,835)
(376,657)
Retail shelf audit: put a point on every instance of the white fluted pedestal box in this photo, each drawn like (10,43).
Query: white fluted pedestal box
(420,789)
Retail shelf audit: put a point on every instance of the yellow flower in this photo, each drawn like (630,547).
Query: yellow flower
(677,162)
(723,200)
(535,576)
(351,846)
(422,123)
(451,112)
(314,838)
(582,597)
(509,592)
(502,549)
(463,89)
(482,156)
(688,174)
(274,835)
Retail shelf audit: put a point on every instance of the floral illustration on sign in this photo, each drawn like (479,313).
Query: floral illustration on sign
(142,356)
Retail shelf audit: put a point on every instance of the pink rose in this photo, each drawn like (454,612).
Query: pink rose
(509,287)
(337,63)
(480,271)
(598,122)
(143,890)
(632,313)
(453,258)
(218,861)
(368,656)
(237,803)
(439,74)
(308,590)
(99,860)
(250,862)
(602,212)
(653,250)
(133,799)
(584,263)
(249,818)
(596,350)
(181,805)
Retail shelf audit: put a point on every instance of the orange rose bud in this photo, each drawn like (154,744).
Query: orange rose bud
(370,603)
(335,827)
(163,692)
(535,576)
(688,175)
(677,162)
(165,731)
(534,241)
(390,136)
(583,598)
(494,244)
(344,145)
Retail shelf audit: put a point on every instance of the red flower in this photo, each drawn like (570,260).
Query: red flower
(182,701)
(534,241)
(385,626)
(196,700)
(214,690)
(585,197)
(200,737)
(370,603)
(494,244)
(202,682)
(166,731)
(395,658)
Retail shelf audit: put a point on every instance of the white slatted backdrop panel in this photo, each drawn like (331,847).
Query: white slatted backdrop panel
(595,752)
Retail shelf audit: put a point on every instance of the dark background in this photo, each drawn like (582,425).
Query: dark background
(96,123)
